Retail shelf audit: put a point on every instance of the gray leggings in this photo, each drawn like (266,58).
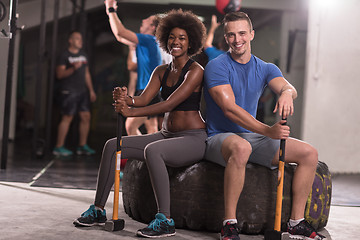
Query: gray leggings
(158,150)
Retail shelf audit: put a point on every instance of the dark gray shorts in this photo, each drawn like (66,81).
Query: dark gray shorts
(263,148)
(74,102)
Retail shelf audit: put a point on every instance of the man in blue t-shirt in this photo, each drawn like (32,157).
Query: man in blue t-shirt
(148,58)
(233,85)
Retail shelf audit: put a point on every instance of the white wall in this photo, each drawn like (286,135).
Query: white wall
(331,110)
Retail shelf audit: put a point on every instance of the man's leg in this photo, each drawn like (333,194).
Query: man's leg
(63,129)
(151,125)
(236,152)
(306,158)
(132,125)
(84,127)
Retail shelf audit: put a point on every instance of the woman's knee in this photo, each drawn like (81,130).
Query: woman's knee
(151,151)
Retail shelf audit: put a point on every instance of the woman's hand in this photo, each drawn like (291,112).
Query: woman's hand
(119,92)
(120,105)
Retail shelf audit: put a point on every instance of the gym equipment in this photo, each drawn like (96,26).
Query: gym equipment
(276,234)
(116,224)
(226,6)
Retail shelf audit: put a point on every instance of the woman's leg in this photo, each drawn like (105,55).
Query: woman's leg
(106,173)
(174,152)
(132,147)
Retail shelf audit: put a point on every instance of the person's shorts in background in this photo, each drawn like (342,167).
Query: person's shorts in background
(73,102)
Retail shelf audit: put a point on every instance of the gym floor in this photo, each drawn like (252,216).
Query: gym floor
(39,199)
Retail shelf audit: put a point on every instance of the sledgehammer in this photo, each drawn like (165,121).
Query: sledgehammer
(276,234)
(116,224)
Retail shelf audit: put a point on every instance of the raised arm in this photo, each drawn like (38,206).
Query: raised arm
(210,36)
(119,30)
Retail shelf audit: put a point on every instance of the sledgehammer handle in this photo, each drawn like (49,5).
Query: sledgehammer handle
(280,186)
(120,120)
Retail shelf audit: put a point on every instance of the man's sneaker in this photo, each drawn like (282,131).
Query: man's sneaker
(230,232)
(91,217)
(303,231)
(62,151)
(85,150)
(159,227)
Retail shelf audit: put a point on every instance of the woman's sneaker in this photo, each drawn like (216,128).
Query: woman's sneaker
(230,232)
(303,231)
(91,217)
(159,227)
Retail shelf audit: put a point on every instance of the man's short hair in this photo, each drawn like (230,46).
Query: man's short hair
(236,16)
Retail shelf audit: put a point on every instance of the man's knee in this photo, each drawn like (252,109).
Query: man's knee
(311,155)
(237,152)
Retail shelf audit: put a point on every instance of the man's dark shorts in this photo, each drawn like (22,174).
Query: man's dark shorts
(73,102)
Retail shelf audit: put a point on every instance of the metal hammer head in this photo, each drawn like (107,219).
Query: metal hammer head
(276,235)
(114,225)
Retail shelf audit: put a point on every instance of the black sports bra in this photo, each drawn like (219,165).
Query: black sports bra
(192,103)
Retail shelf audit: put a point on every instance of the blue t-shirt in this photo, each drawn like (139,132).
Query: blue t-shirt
(148,58)
(247,81)
(213,52)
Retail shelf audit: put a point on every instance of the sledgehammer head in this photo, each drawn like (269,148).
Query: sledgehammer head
(276,235)
(114,225)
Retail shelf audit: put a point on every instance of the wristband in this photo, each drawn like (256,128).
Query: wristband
(132,100)
(111,9)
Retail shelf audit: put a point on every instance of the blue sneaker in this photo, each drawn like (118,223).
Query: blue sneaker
(85,150)
(91,217)
(62,151)
(159,227)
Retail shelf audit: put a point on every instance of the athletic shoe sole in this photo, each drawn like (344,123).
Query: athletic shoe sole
(300,237)
(158,236)
(84,153)
(62,154)
(80,224)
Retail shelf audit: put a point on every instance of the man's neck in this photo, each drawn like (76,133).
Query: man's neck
(243,59)
(73,50)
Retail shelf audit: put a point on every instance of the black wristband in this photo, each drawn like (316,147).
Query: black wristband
(111,9)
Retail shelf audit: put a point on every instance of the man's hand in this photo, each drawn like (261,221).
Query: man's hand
(77,65)
(214,23)
(279,131)
(92,96)
(110,3)
(285,104)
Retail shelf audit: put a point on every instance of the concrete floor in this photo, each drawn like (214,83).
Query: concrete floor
(47,213)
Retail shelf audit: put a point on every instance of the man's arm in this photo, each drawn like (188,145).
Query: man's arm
(211,32)
(224,97)
(132,66)
(63,72)
(89,85)
(287,93)
(118,29)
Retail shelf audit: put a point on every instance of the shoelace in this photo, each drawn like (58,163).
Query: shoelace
(155,224)
(308,225)
(233,229)
(90,212)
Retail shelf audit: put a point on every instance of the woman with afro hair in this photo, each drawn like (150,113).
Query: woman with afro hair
(180,142)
